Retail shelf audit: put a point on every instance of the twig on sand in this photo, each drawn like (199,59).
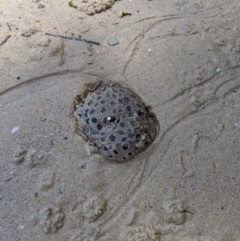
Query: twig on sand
(5,40)
(9,27)
(73,38)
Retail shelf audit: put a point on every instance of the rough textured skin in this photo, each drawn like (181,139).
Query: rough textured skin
(116,121)
(91,7)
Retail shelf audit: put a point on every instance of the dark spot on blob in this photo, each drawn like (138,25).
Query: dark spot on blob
(113,118)
(129,108)
(123,139)
(110,156)
(87,121)
(124,158)
(146,143)
(103,102)
(125,147)
(126,99)
(80,115)
(92,111)
(138,105)
(121,132)
(138,136)
(90,102)
(114,96)
(94,120)
(99,97)
(102,139)
(122,124)
(105,120)
(129,153)
(112,103)
(103,110)
(99,127)
(130,135)
(96,105)
(120,101)
(105,148)
(94,132)
(115,152)
(145,130)
(140,113)
(112,138)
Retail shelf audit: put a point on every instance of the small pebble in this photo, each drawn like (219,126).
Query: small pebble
(112,41)
(87,150)
(41,6)
(21,227)
(16,128)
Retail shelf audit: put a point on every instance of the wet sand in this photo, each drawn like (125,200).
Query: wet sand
(182,58)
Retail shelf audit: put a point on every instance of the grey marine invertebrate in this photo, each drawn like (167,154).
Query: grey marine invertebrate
(116,121)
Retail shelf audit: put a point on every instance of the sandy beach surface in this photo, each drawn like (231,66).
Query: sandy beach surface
(182,57)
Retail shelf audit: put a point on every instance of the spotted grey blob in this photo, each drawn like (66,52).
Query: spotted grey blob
(116,121)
